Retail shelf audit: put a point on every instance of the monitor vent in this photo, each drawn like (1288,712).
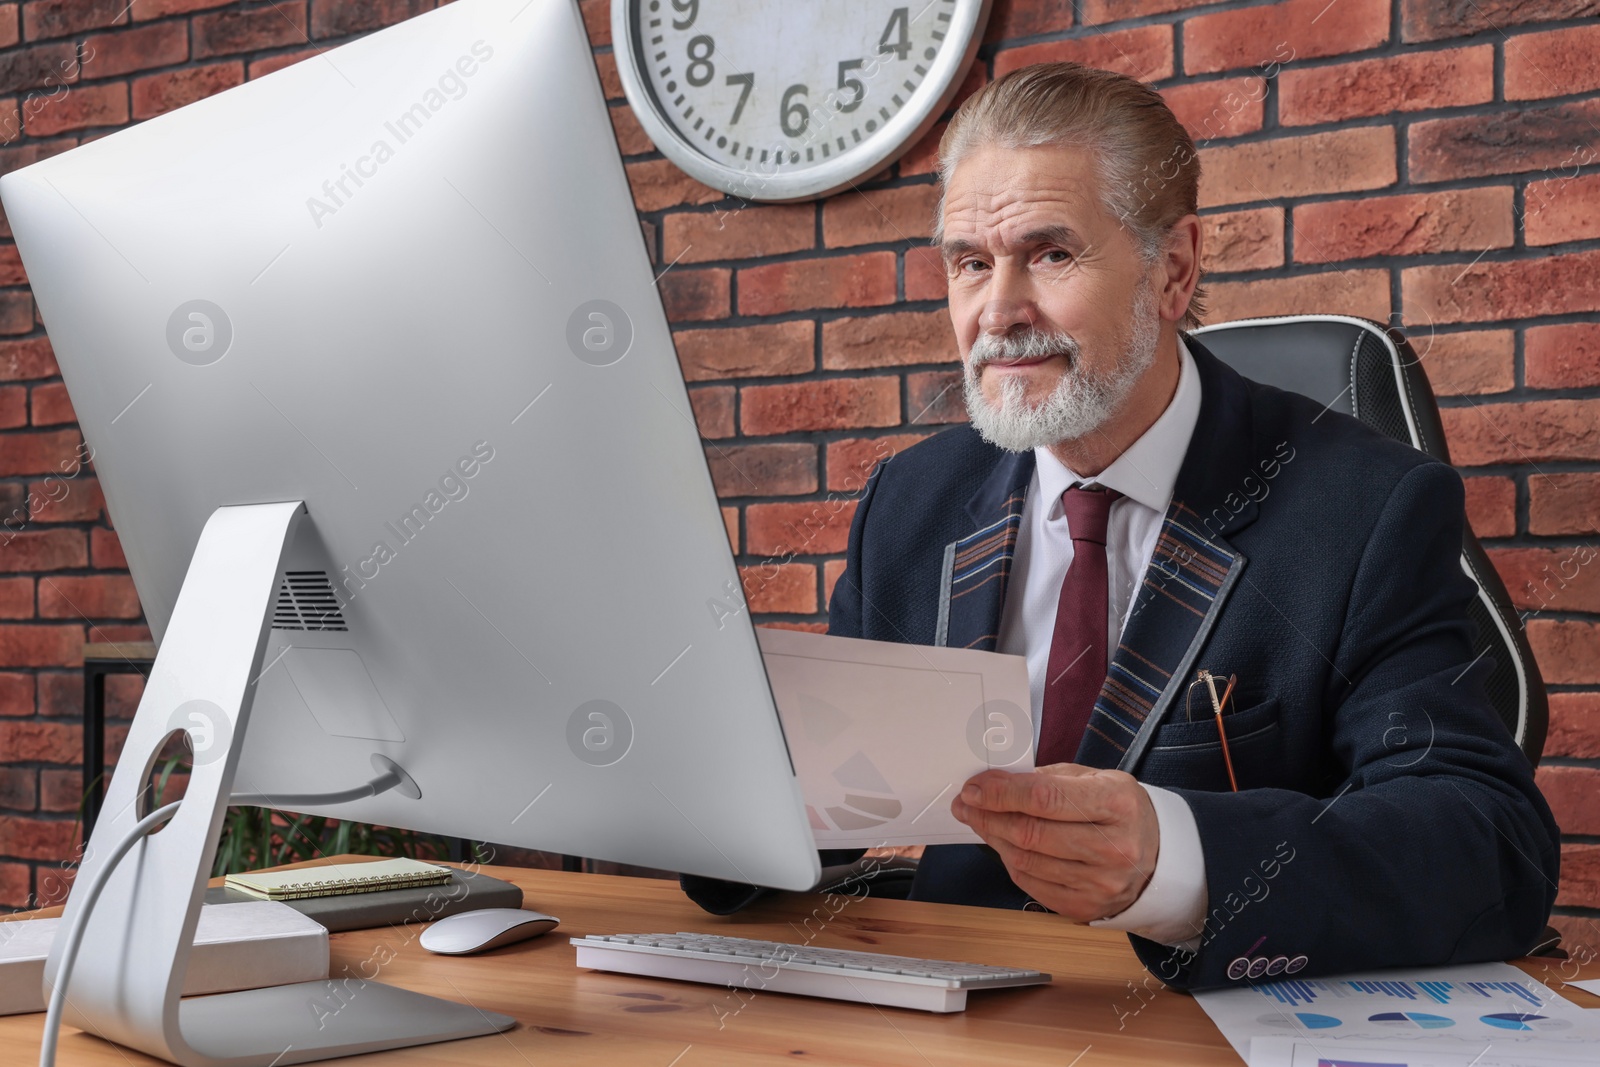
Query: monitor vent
(306,602)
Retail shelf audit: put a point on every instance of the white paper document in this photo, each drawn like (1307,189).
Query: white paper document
(883,734)
(1404,1018)
(1591,985)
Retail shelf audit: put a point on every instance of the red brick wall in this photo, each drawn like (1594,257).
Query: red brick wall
(1428,163)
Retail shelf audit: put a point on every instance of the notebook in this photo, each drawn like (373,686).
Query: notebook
(337,880)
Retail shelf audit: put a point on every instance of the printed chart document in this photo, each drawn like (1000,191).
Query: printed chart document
(1399,1018)
(883,734)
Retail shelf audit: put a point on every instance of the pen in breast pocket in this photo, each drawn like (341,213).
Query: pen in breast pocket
(1217,706)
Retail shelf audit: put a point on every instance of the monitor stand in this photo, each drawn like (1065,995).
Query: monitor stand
(129,970)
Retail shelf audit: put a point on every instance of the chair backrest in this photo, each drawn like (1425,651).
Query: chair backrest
(1365,369)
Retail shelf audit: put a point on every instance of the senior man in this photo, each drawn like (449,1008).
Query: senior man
(1124,510)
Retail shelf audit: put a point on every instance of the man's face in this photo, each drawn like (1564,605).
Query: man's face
(1053,309)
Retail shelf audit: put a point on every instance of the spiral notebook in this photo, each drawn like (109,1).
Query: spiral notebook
(338,880)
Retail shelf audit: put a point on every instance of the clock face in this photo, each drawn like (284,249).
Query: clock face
(791,99)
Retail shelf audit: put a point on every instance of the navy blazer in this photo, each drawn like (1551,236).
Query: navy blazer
(1385,815)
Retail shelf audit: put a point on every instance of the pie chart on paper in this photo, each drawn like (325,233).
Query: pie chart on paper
(1517,1020)
(1412,1019)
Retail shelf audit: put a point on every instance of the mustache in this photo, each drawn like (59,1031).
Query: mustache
(1032,344)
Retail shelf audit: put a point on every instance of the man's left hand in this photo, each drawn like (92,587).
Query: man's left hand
(1080,840)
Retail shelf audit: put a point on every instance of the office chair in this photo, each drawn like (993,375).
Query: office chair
(1362,368)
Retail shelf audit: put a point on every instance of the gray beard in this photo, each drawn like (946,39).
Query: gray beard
(1079,405)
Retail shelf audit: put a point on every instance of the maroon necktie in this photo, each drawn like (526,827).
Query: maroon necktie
(1077,667)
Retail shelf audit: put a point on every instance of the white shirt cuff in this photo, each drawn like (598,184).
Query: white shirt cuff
(1172,908)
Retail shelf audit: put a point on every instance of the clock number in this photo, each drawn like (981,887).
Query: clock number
(746,80)
(790,108)
(899,21)
(692,7)
(851,83)
(701,61)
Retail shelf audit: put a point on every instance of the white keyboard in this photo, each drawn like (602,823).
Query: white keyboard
(754,966)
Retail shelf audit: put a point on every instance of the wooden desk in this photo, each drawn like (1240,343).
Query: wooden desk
(572,1016)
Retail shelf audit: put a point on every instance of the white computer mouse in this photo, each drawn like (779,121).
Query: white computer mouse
(478,931)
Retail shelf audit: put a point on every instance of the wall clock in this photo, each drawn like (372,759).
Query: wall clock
(791,99)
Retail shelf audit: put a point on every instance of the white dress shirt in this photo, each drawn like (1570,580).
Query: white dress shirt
(1173,905)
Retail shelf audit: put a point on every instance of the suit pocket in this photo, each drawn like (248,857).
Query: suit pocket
(1189,754)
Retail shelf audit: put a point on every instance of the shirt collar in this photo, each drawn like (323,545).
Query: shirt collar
(1148,469)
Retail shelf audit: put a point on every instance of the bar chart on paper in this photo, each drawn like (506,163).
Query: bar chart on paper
(1446,1010)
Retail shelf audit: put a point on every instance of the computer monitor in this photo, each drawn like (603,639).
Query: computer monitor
(403,283)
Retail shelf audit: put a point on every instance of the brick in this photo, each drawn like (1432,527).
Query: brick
(1339,161)
(19,788)
(858,217)
(923,157)
(1568,653)
(108,55)
(631,138)
(38,839)
(1431,20)
(144,10)
(16,598)
(1450,221)
(62,499)
(1556,136)
(1523,433)
(843,281)
(41,550)
(831,404)
(1558,210)
(746,232)
(730,522)
(1475,362)
(81,108)
(13,407)
(832,571)
(1144,52)
(804,528)
(39,452)
(1491,506)
(16,693)
(1010,19)
(788,469)
(1567,503)
(60,790)
(1580,876)
(1242,240)
(787,588)
(1098,11)
(1574,726)
(925,275)
(850,462)
(893,340)
(10,29)
(122,690)
(1228,107)
(1553,63)
(155,94)
(16,312)
(1495,291)
(1574,797)
(1550,579)
(1409,82)
(41,66)
(658,184)
(1561,357)
(27,359)
(44,19)
(713,411)
(935,397)
(61,694)
(339,18)
(260,68)
(251,30)
(1340,292)
(596,20)
(11,272)
(15,878)
(100,596)
(51,405)
(610,81)
(41,742)
(696,295)
(747,351)
(1281,33)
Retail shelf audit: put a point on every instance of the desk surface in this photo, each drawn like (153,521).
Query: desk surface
(1099,1001)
